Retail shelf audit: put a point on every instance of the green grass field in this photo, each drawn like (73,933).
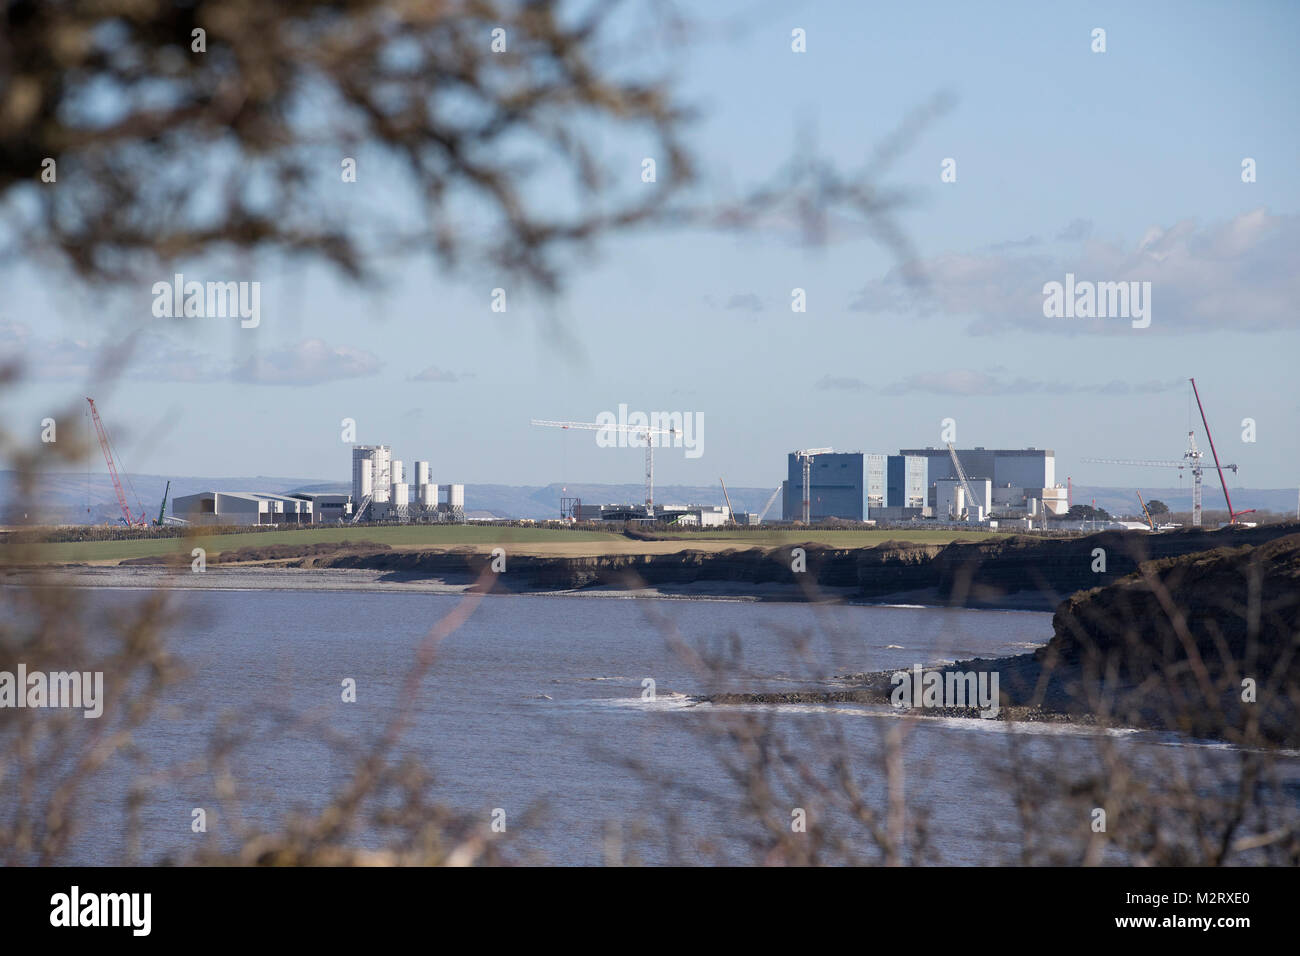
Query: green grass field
(485,538)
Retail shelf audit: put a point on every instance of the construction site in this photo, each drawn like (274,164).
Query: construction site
(1002,489)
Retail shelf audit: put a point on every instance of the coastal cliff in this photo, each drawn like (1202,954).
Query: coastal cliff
(1017,571)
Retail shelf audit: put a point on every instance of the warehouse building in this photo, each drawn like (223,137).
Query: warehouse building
(242,508)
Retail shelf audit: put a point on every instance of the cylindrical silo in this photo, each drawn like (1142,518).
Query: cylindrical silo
(401,495)
(428,495)
(398,476)
(456,496)
(421,473)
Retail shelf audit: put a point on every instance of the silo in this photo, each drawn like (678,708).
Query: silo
(397,475)
(401,495)
(370,472)
(428,496)
(421,473)
(456,496)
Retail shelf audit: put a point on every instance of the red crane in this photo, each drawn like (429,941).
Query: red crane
(1232,515)
(112,469)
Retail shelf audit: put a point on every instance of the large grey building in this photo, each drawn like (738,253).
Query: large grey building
(1017,467)
(1019,478)
(836,487)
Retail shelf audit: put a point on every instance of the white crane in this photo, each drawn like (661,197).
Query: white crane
(768,507)
(806,456)
(647,433)
(1191,461)
(971,500)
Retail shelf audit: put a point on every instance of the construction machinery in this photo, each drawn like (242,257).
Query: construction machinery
(971,500)
(1232,515)
(1192,459)
(1150,524)
(806,456)
(770,501)
(162,509)
(731,515)
(648,433)
(107,446)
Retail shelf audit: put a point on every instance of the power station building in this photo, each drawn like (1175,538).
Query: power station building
(1020,479)
(836,488)
(923,483)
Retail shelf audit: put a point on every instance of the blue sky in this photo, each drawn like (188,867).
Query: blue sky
(1123,165)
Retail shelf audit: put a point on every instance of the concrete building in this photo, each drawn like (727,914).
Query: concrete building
(906,481)
(242,508)
(836,487)
(327,508)
(1020,474)
(950,499)
(875,473)
(1021,467)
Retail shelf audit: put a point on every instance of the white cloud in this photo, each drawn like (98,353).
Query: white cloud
(310,362)
(995,381)
(1243,274)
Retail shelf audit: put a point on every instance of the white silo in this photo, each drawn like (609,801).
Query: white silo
(401,495)
(397,473)
(370,472)
(421,473)
(456,496)
(428,496)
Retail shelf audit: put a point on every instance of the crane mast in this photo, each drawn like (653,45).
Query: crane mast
(807,455)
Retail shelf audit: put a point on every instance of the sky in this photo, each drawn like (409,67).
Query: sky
(1115,166)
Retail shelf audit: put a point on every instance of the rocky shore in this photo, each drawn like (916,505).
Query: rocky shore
(1207,644)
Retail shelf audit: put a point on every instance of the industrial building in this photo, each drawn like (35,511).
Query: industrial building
(380,491)
(922,483)
(1023,480)
(700,516)
(242,508)
(836,488)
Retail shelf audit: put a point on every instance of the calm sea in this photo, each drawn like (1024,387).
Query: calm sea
(538,706)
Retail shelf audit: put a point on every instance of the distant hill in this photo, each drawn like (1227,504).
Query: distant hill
(69,498)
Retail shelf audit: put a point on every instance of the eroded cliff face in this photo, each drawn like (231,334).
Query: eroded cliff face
(1207,643)
(1020,571)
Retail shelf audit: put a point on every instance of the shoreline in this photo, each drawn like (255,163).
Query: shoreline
(261,577)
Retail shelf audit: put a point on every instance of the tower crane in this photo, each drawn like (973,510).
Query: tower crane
(649,433)
(806,456)
(1192,462)
(106,446)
